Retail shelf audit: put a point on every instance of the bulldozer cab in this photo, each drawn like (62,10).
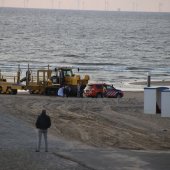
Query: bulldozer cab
(67,72)
(65,76)
(62,75)
(63,72)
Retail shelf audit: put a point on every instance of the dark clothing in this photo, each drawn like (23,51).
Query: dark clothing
(67,91)
(43,122)
(40,133)
(81,90)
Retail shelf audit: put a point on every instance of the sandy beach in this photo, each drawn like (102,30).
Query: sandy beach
(86,134)
(106,123)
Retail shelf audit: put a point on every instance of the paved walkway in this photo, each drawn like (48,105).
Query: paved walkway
(18,143)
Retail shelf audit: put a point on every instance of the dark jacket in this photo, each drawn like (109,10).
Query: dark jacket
(43,122)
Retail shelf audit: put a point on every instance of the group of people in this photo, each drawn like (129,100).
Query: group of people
(66,91)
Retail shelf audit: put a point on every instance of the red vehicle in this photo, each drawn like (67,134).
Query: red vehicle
(102,90)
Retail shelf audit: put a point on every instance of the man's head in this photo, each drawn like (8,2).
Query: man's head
(43,111)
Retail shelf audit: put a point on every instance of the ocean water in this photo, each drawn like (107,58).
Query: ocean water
(112,47)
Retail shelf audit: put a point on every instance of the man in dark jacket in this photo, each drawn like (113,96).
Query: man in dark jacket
(42,124)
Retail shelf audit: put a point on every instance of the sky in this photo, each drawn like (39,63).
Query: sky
(109,5)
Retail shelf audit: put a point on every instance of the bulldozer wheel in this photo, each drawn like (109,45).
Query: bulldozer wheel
(8,90)
(14,91)
(31,91)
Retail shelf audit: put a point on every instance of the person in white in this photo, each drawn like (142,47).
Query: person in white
(61,92)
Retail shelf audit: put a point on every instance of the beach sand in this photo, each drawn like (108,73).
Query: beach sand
(104,122)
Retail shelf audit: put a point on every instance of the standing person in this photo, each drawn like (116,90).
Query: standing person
(61,92)
(104,90)
(67,91)
(78,89)
(43,122)
(81,90)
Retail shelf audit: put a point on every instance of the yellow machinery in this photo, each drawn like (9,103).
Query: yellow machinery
(42,82)
(46,81)
(49,81)
(11,87)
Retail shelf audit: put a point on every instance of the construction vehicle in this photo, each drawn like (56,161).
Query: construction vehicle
(49,81)
(46,81)
(11,87)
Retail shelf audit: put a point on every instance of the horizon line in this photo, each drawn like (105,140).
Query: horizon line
(92,10)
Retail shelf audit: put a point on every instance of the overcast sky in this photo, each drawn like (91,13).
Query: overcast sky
(114,5)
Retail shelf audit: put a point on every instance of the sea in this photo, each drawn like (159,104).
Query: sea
(111,47)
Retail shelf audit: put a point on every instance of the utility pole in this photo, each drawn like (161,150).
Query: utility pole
(52,4)
(106,5)
(59,4)
(78,4)
(134,6)
(26,3)
(2,3)
(83,4)
(160,7)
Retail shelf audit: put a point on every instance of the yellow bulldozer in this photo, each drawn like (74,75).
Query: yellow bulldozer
(48,81)
(43,81)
